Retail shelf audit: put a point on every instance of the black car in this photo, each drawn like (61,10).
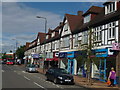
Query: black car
(59,75)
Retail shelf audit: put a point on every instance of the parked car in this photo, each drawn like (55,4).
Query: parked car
(10,62)
(59,75)
(31,68)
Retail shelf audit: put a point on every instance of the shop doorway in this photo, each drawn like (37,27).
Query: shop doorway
(71,66)
(102,70)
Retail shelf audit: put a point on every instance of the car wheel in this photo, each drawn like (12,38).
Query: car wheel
(47,79)
(55,81)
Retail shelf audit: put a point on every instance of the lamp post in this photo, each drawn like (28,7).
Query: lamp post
(16,46)
(45,37)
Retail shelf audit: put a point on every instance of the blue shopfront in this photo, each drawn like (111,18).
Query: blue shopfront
(107,60)
(72,62)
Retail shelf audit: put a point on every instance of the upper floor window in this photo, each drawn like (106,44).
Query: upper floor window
(57,44)
(111,30)
(53,45)
(76,40)
(98,33)
(109,8)
(85,37)
(66,42)
(87,18)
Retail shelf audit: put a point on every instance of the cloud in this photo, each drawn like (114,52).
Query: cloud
(22,19)
(19,21)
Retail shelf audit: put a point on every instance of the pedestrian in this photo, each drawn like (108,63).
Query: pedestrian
(112,77)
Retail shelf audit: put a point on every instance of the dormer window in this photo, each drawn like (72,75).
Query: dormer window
(53,34)
(111,7)
(87,18)
(47,37)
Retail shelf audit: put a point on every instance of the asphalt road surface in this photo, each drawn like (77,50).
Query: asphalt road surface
(15,77)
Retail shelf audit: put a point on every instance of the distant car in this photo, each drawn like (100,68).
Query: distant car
(10,62)
(31,68)
(59,75)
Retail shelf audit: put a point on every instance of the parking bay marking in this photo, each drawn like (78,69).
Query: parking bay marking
(3,71)
(38,85)
(26,78)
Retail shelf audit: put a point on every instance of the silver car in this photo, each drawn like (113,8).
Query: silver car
(31,68)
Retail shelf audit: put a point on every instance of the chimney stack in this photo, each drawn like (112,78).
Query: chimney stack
(80,13)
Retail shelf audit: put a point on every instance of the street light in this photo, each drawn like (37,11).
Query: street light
(15,43)
(45,22)
(45,36)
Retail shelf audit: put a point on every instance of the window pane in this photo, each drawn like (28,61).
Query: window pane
(113,32)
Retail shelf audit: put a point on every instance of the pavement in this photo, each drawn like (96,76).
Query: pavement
(83,82)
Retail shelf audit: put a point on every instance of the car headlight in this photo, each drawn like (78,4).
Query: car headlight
(60,77)
(30,69)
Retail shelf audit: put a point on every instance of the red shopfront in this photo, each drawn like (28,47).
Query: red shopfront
(52,62)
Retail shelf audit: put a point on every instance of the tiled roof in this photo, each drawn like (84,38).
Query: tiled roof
(74,21)
(100,19)
(93,9)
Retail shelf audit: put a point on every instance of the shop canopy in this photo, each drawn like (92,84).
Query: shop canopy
(51,59)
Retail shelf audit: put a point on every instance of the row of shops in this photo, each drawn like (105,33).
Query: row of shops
(71,61)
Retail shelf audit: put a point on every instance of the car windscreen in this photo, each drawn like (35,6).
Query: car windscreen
(10,61)
(61,71)
(31,66)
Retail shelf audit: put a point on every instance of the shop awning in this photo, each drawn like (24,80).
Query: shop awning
(51,59)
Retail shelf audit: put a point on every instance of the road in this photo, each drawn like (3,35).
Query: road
(14,76)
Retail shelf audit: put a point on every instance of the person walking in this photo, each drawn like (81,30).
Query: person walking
(112,77)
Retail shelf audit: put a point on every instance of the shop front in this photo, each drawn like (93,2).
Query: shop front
(36,59)
(62,62)
(107,60)
(72,62)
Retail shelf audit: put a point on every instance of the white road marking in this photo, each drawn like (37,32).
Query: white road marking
(26,78)
(57,86)
(38,85)
(23,71)
(14,71)
(53,84)
(3,71)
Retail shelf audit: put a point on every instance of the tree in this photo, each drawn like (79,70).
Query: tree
(20,52)
(88,48)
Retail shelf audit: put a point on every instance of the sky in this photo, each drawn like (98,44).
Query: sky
(19,22)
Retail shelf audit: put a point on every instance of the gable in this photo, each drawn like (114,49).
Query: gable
(66,29)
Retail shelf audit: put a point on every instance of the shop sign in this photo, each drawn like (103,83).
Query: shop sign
(101,52)
(116,46)
(63,55)
(110,52)
(56,54)
(35,55)
(70,54)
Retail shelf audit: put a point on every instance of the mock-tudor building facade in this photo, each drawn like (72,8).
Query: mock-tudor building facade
(63,44)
